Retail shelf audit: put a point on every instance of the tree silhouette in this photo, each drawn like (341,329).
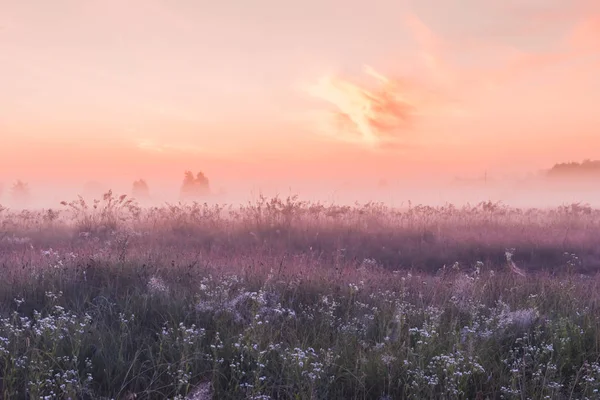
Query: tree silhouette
(588,168)
(194,187)
(140,190)
(20,192)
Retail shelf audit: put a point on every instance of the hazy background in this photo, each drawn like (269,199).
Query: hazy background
(329,99)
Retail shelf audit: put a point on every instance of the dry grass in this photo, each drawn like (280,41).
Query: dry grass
(417,237)
(285,299)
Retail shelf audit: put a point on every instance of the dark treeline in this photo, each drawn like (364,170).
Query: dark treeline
(587,168)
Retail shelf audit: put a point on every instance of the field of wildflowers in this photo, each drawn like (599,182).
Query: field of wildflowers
(284,299)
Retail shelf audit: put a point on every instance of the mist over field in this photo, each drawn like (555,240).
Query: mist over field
(529,191)
(303,200)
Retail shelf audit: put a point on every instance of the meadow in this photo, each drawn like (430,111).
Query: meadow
(287,299)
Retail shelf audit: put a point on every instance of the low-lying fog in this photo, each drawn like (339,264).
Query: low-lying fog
(532,192)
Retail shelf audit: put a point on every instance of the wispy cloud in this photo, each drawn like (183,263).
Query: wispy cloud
(382,112)
(366,114)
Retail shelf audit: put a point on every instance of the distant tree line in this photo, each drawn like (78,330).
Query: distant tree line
(587,168)
(193,187)
(140,190)
(19,193)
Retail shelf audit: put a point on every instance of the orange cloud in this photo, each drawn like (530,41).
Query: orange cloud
(364,114)
(381,114)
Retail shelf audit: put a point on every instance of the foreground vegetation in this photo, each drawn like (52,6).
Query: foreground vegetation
(181,302)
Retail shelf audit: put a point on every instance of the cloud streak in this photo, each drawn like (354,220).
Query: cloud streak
(366,114)
(382,112)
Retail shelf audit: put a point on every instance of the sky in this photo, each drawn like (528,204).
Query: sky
(295,91)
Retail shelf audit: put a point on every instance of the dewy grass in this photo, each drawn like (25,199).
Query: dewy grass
(290,300)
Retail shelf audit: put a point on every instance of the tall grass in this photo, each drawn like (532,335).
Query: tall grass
(282,299)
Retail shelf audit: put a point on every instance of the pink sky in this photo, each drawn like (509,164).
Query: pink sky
(314,89)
